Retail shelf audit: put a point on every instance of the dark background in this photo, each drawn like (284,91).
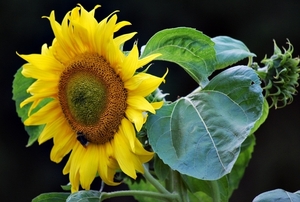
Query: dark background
(27,172)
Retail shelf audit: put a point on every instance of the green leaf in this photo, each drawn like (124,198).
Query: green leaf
(238,170)
(51,197)
(20,86)
(207,191)
(229,51)
(200,135)
(67,187)
(84,196)
(263,117)
(199,196)
(278,195)
(221,190)
(187,47)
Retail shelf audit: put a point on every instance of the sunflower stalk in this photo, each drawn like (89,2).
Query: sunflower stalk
(162,194)
(154,182)
(155,195)
(176,186)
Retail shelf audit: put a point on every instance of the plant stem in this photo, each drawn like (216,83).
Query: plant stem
(154,182)
(169,196)
(163,195)
(250,61)
(216,191)
(178,186)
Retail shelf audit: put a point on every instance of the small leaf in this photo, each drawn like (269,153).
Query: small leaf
(53,196)
(84,196)
(20,86)
(67,187)
(200,135)
(278,195)
(187,47)
(229,51)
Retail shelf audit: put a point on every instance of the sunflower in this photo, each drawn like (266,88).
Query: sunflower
(97,97)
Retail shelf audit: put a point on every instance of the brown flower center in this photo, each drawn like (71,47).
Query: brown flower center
(92,97)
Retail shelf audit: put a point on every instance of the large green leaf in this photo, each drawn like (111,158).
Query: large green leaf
(187,47)
(200,135)
(263,118)
(221,189)
(278,195)
(51,197)
(20,86)
(229,51)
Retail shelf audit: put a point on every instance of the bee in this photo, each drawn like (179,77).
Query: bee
(81,138)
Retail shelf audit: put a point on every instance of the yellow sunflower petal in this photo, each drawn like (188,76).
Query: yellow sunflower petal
(63,41)
(88,169)
(51,129)
(143,155)
(157,105)
(28,70)
(74,181)
(136,117)
(120,40)
(43,62)
(63,142)
(124,155)
(140,103)
(92,12)
(62,149)
(128,130)
(76,160)
(129,65)
(143,84)
(46,114)
(147,59)
(40,86)
(121,24)
(105,168)
(35,97)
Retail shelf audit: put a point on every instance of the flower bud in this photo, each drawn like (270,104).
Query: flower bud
(280,76)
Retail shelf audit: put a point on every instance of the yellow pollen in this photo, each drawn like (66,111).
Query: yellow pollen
(92,97)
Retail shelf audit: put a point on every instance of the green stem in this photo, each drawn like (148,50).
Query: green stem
(169,181)
(169,196)
(216,191)
(250,61)
(179,187)
(154,182)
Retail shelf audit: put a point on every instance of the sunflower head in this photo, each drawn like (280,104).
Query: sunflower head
(280,75)
(98,98)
